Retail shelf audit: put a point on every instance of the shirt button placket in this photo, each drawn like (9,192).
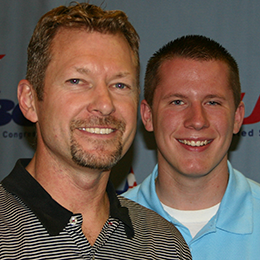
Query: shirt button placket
(73,221)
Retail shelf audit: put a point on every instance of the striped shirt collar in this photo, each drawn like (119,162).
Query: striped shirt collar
(52,215)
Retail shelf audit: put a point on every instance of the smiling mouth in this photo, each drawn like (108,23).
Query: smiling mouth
(95,130)
(195,143)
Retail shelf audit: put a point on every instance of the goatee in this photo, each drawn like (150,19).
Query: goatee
(104,154)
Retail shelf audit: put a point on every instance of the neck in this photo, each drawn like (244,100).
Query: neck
(190,193)
(70,186)
(79,191)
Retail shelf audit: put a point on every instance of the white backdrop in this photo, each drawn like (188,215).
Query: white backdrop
(233,23)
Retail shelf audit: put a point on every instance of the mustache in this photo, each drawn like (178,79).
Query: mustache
(109,122)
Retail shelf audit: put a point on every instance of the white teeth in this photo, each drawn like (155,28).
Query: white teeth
(101,131)
(194,143)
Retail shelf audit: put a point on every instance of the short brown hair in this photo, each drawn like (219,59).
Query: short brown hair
(76,15)
(194,47)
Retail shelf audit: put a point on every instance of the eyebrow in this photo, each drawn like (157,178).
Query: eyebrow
(178,95)
(83,70)
(121,75)
(87,72)
(216,96)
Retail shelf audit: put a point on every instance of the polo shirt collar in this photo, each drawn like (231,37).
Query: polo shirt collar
(235,213)
(51,214)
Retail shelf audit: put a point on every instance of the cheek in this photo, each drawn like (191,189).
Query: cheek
(128,113)
(128,110)
(224,124)
(165,121)
(55,117)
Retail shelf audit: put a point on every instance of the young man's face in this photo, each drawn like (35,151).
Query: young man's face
(193,117)
(89,107)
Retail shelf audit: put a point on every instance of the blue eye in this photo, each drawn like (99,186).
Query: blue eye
(177,102)
(74,81)
(213,103)
(120,85)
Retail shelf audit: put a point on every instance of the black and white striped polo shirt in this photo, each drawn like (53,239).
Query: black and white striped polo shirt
(34,226)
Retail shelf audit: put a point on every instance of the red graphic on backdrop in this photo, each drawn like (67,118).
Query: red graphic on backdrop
(2,56)
(255,115)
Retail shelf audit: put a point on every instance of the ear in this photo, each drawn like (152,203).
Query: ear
(146,114)
(239,117)
(27,97)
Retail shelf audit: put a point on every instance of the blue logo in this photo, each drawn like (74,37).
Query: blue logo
(9,111)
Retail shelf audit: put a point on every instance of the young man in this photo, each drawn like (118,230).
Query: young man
(193,105)
(82,93)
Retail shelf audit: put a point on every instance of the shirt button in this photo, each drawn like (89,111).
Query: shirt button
(73,220)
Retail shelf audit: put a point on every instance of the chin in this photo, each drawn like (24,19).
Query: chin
(98,161)
(195,172)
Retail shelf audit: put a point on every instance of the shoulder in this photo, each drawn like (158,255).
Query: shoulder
(255,187)
(10,205)
(141,190)
(244,181)
(132,193)
(156,234)
(5,197)
(148,220)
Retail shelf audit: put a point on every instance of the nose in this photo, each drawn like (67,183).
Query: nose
(101,101)
(197,117)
